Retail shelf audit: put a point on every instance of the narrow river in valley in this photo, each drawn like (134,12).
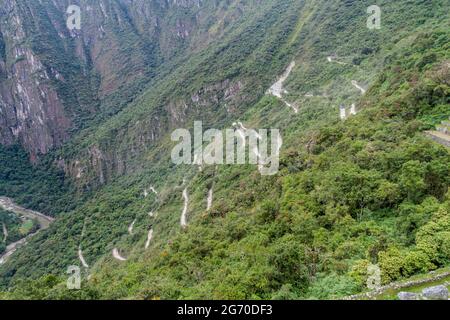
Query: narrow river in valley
(43,220)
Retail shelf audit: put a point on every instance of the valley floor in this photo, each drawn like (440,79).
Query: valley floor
(415,284)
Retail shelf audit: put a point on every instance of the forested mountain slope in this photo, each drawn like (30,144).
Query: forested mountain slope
(55,81)
(368,189)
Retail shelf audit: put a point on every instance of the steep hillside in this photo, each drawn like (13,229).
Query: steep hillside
(55,81)
(368,189)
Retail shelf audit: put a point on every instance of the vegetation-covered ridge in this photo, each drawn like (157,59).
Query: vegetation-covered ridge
(372,189)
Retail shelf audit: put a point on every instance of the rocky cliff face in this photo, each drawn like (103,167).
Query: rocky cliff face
(54,81)
(31,110)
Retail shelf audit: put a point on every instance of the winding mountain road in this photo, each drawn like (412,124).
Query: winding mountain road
(278,90)
(117,255)
(152,189)
(80,252)
(333,59)
(357,86)
(131,227)
(209,201)
(82,260)
(149,238)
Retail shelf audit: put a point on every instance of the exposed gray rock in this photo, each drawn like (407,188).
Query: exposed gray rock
(400,285)
(435,293)
(408,296)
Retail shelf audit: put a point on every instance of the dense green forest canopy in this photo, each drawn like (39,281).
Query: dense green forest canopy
(372,189)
